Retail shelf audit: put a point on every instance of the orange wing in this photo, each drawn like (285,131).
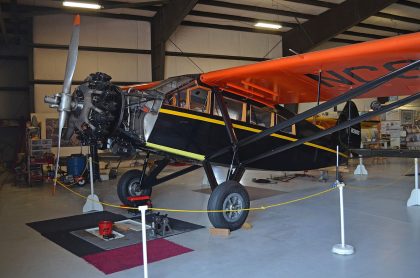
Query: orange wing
(294,79)
(141,87)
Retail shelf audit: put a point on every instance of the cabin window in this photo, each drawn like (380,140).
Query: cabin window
(235,109)
(199,99)
(178,99)
(181,99)
(260,117)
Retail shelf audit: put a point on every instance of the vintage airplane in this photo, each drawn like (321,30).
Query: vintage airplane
(234,117)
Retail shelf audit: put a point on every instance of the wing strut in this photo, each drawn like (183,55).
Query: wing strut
(361,90)
(229,128)
(344,125)
(233,173)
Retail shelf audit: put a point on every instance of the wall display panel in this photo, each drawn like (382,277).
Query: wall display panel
(51,132)
(44,120)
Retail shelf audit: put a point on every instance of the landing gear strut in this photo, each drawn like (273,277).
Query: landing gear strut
(139,183)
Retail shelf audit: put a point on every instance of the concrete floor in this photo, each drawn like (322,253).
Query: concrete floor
(288,241)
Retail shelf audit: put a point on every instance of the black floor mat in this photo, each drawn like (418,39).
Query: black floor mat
(59,230)
(75,222)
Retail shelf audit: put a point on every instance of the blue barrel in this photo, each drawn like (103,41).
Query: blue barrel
(76,163)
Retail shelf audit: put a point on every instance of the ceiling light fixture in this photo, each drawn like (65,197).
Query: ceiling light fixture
(83,5)
(268,25)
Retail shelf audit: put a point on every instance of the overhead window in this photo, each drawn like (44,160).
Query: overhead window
(260,116)
(235,109)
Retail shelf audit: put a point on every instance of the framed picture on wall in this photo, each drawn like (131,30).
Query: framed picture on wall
(407,117)
(51,132)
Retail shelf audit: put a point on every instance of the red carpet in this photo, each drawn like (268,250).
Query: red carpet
(131,256)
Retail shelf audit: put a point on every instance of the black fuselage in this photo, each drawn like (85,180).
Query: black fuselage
(198,135)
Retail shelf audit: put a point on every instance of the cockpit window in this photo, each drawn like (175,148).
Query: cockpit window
(178,99)
(199,99)
(260,117)
(234,107)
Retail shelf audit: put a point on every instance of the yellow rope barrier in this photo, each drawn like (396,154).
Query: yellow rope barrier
(264,207)
(199,211)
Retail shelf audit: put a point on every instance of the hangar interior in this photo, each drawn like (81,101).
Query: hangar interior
(139,42)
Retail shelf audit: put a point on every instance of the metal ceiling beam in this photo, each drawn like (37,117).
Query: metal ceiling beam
(330,5)
(254,9)
(323,4)
(108,5)
(379,14)
(383,28)
(300,15)
(344,41)
(254,20)
(365,35)
(329,24)
(409,4)
(399,18)
(35,10)
(163,24)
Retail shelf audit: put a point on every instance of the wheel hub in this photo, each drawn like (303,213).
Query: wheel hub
(134,188)
(233,201)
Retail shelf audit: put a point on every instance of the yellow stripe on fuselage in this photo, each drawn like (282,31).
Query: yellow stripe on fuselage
(255,130)
(176,151)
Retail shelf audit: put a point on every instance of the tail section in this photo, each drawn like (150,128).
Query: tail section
(351,137)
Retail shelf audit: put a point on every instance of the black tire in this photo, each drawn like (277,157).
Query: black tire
(219,201)
(128,186)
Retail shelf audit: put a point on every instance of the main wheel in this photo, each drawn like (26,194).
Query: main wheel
(81,182)
(129,185)
(229,195)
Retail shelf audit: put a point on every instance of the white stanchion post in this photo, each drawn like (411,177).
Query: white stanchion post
(143,209)
(341,248)
(361,169)
(414,199)
(92,202)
